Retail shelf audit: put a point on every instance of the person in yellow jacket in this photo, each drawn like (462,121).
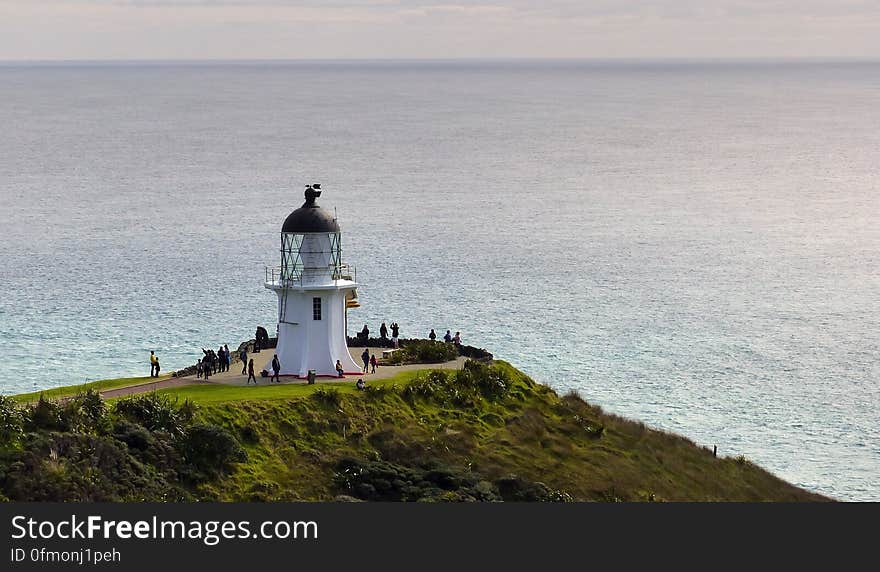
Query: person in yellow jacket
(154,364)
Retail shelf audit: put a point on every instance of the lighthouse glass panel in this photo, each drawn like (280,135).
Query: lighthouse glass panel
(312,254)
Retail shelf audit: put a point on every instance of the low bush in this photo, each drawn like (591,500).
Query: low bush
(330,397)
(11,422)
(491,382)
(156,412)
(44,415)
(209,451)
(424,351)
(433,482)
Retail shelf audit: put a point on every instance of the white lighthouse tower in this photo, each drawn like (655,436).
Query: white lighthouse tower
(314,289)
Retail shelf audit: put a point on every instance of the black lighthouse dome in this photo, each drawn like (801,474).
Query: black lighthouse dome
(310,217)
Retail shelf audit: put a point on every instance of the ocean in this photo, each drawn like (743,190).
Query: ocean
(694,245)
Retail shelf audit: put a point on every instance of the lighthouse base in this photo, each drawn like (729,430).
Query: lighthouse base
(312,334)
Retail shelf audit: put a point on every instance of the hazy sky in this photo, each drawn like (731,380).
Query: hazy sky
(224,29)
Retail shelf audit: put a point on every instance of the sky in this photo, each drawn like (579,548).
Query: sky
(402,29)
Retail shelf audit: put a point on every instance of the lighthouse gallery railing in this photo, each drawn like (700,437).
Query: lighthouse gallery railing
(291,277)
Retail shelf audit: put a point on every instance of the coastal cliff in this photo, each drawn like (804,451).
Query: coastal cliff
(484,432)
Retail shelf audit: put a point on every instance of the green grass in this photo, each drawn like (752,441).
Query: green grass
(204,394)
(295,436)
(71,390)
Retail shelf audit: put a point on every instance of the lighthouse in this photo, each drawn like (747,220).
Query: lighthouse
(315,290)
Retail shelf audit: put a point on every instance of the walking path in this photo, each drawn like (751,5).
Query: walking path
(235,377)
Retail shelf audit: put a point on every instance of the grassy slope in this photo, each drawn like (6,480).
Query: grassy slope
(205,394)
(71,390)
(295,435)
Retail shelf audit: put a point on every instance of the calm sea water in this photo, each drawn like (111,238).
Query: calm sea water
(692,245)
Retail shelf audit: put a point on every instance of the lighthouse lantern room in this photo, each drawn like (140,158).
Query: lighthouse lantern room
(314,290)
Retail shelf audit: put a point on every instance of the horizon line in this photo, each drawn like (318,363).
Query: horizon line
(473,59)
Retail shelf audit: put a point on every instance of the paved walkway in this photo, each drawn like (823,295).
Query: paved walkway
(235,377)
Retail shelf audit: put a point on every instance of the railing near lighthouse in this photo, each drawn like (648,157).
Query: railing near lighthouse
(276,276)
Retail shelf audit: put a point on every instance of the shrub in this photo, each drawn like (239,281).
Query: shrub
(491,382)
(328,397)
(424,351)
(156,412)
(379,391)
(155,449)
(432,482)
(134,435)
(517,489)
(45,415)
(209,450)
(11,422)
(433,384)
(85,413)
(75,467)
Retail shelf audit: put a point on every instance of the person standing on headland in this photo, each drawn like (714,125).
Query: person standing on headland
(261,339)
(448,337)
(366,357)
(395,330)
(199,369)
(383,334)
(244,360)
(456,339)
(373,363)
(154,364)
(432,335)
(250,372)
(228,355)
(221,359)
(276,367)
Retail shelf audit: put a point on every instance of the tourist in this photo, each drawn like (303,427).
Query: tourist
(244,360)
(395,331)
(154,364)
(258,339)
(432,335)
(365,334)
(373,363)
(199,368)
(206,367)
(228,356)
(448,337)
(360,384)
(221,359)
(366,357)
(339,370)
(456,339)
(383,334)
(208,360)
(250,372)
(276,367)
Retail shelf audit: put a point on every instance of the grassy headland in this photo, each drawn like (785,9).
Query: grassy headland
(71,390)
(485,432)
